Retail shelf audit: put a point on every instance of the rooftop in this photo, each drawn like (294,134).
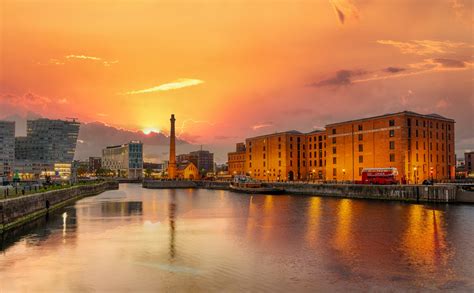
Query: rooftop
(409,113)
(276,133)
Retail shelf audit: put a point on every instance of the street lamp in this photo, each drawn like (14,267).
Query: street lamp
(343,175)
(431,173)
(415,174)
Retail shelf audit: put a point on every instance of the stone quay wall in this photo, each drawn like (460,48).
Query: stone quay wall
(413,193)
(17,211)
(416,193)
(168,184)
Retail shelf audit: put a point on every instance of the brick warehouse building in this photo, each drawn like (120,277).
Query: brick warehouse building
(236,160)
(419,146)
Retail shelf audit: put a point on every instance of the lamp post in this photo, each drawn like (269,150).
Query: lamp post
(431,173)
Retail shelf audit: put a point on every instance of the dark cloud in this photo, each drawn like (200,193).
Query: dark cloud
(295,112)
(340,15)
(449,63)
(223,137)
(391,69)
(343,77)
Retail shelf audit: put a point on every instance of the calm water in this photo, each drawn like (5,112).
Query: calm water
(204,240)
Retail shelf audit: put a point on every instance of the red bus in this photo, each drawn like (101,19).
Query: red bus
(380,176)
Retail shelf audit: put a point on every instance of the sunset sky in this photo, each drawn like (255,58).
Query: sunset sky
(235,69)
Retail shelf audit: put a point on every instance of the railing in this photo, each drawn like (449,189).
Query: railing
(7,192)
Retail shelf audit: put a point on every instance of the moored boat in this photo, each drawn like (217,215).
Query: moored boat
(246,184)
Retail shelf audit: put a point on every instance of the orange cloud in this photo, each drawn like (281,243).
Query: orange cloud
(425,47)
(177,84)
(262,125)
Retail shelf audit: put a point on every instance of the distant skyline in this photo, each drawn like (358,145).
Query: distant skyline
(235,69)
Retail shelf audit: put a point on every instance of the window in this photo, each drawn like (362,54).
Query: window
(264,156)
(360,127)
(361,159)
(263,148)
(361,148)
(392,157)
(334,172)
(361,137)
(392,133)
(334,160)
(333,140)
(279,154)
(250,157)
(333,131)
(279,163)
(333,150)
(392,122)
(279,146)
(360,171)
(279,139)
(291,163)
(291,154)
(392,145)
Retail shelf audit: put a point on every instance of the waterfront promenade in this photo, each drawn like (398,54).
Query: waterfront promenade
(23,208)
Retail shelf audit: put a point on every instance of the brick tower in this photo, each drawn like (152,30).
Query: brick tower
(172,161)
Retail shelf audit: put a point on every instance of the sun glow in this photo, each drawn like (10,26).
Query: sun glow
(149,130)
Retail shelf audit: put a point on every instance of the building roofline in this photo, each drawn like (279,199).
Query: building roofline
(410,113)
(274,134)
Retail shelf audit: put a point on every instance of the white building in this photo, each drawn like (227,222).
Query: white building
(7,148)
(125,160)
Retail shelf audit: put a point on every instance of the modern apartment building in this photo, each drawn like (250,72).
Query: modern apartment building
(7,148)
(51,141)
(95,163)
(204,160)
(236,160)
(125,160)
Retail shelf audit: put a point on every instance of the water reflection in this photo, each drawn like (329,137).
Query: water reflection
(172,224)
(313,221)
(424,241)
(234,242)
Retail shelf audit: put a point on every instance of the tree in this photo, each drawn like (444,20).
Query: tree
(82,171)
(148,172)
